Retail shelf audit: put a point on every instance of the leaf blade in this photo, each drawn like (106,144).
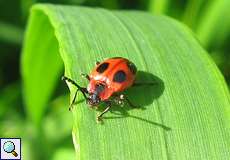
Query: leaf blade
(189,96)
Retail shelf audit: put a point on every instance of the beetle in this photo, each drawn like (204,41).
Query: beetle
(106,82)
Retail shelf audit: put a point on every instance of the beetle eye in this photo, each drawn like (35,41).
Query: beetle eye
(99,88)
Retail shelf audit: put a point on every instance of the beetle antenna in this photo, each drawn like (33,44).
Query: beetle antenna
(64,78)
(83,90)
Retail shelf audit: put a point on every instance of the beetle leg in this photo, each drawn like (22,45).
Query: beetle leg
(85,76)
(83,90)
(99,117)
(73,101)
(97,62)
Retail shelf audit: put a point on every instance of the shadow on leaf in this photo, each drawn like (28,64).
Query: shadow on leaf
(141,95)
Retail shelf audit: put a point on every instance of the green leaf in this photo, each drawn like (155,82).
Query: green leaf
(64,153)
(10,33)
(185,115)
(158,7)
(58,116)
(214,25)
(40,78)
(9,99)
(192,11)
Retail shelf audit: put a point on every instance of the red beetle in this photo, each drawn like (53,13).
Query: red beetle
(106,81)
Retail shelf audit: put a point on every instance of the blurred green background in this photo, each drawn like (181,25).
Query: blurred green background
(209,20)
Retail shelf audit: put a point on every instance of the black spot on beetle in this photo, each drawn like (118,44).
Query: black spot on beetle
(119,76)
(132,67)
(102,67)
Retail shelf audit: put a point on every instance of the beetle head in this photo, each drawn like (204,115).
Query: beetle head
(94,97)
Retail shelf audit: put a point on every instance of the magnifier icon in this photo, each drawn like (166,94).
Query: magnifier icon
(9,147)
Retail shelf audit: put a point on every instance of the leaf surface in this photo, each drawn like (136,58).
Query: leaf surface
(185,115)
